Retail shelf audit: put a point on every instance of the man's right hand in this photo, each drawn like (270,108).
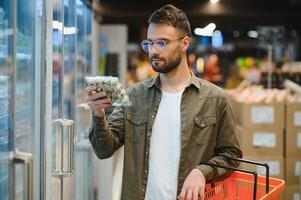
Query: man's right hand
(97,101)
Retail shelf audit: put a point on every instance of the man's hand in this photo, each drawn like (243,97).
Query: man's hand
(97,101)
(194,186)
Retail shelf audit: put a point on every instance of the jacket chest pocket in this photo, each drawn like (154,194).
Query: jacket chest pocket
(204,129)
(135,127)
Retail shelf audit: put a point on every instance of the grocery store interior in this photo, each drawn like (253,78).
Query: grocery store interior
(251,48)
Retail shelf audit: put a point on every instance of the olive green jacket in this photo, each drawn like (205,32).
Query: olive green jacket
(207,131)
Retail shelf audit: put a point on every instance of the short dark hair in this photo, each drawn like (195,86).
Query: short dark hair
(172,16)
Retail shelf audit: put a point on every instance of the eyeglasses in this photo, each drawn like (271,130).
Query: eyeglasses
(160,44)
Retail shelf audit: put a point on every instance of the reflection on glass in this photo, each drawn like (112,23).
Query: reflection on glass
(84,186)
(4,113)
(25,61)
(6,55)
(57,88)
(20,191)
(57,62)
(69,58)
(4,177)
(64,65)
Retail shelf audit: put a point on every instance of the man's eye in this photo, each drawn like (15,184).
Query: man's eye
(160,43)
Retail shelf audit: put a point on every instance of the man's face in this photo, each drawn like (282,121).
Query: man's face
(164,58)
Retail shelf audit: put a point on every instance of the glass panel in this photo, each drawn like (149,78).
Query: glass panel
(84,185)
(84,60)
(64,72)
(69,58)
(88,39)
(80,84)
(25,59)
(6,75)
(57,59)
(57,79)
(20,192)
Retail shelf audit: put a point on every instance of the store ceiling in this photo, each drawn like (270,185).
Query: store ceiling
(227,14)
(134,11)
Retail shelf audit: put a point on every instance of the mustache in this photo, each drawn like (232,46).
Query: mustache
(156,58)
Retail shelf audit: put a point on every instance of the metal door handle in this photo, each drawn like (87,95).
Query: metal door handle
(64,140)
(26,160)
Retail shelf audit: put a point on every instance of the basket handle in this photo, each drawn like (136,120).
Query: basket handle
(267,169)
(240,170)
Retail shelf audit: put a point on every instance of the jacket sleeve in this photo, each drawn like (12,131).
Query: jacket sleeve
(107,136)
(226,144)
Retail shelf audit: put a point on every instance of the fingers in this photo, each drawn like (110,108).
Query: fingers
(182,194)
(100,102)
(189,195)
(195,195)
(98,95)
(202,193)
(192,193)
(97,101)
(90,89)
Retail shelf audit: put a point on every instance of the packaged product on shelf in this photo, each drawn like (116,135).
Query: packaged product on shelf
(257,107)
(257,94)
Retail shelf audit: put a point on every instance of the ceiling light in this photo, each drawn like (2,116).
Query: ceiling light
(210,27)
(236,34)
(214,1)
(207,31)
(253,34)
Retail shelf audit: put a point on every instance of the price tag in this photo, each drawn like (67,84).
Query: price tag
(262,139)
(297,118)
(274,168)
(262,115)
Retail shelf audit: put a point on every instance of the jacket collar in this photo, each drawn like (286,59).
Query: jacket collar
(156,82)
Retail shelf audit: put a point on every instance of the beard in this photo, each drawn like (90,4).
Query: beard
(168,64)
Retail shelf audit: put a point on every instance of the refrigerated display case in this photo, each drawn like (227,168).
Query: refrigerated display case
(5,173)
(6,72)
(42,70)
(72,22)
(19,87)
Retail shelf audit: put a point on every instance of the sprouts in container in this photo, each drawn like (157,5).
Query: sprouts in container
(111,86)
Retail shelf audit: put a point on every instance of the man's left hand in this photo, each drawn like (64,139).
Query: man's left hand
(194,186)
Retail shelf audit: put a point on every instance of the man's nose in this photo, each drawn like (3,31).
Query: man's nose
(153,50)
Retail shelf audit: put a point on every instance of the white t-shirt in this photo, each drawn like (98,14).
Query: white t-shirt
(165,146)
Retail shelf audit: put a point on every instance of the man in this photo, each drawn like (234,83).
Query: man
(175,122)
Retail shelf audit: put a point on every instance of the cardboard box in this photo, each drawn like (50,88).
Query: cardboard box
(293,142)
(292,192)
(293,115)
(276,166)
(264,116)
(257,142)
(293,170)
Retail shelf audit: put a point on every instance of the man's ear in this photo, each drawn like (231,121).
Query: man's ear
(185,43)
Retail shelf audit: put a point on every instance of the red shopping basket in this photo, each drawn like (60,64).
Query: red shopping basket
(242,184)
